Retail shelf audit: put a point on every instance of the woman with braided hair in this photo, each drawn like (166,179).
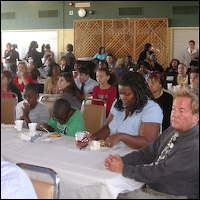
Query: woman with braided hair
(135,119)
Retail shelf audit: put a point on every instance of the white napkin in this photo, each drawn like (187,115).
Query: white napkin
(27,135)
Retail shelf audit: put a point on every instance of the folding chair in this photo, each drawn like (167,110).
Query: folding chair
(94,115)
(48,100)
(43,189)
(8,104)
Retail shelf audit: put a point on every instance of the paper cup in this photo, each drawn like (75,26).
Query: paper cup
(32,127)
(19,124)
(79,136)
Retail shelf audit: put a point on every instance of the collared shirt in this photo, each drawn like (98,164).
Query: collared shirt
(15,183)
(89,85)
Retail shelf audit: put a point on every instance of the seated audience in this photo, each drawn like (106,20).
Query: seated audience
(69,90)
(170,165)
(30,110)
(110,61)
(135,118)
(130,64)
(106,89)
(44,70)
(102,64)
(7,86)
(66,119)
(33,71)
(120,69)
(23,77)
(15,183)
(157,83)
(181,79)
(77,65)
(65,64)
(154,63)
(194,81)
(144,69)
(193,65)
(51,83)
(102,54)
(85,82)
(172,70)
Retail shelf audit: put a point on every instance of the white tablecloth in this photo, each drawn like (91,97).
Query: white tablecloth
(82,173)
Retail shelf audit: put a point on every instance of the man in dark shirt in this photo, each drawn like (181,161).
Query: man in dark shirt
(169,167)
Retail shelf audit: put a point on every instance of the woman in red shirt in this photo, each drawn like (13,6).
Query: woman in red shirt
(22,77)
(7,86)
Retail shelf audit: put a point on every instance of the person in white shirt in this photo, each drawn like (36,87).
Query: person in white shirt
(30,110)
(15,183)
(190,54)
(84,82)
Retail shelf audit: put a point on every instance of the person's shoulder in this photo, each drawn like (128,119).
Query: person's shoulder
(77,111)
(152,104)
(41,106)
(112,88)
(93,81)
(167,95)
(66,95)
(20,104)
(97,87)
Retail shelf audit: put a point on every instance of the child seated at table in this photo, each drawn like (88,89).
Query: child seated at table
(65,119)
(30,110)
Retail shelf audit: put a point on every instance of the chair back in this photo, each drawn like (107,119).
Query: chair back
(94,115)
(48,100)
(8,104)
(44,189)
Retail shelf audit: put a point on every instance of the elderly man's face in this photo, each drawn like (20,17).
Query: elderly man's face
(182,118)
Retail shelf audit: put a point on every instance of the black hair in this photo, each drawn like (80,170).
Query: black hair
(195,70)
(60,106)
(144,63)
(141,91)
(32,86)
(147,46)
(194,63)
(100,48)
(84,70)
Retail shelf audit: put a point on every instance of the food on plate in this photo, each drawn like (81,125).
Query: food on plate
(102,143)
(54,135)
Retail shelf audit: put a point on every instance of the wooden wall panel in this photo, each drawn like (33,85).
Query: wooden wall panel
(122,37)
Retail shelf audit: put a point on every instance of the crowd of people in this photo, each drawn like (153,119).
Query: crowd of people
(142,112)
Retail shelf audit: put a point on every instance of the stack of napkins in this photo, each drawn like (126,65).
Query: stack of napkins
(27,136)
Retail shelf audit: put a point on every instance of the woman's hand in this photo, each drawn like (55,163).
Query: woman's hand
(112,140)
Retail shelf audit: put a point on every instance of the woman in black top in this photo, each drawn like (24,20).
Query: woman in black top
(157,83)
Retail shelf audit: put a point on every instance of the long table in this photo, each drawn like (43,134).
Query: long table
(82,173)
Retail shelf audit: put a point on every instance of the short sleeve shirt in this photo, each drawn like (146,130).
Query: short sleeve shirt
(131,125)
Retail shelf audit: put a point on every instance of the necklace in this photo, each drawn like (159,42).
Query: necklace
(169,146)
